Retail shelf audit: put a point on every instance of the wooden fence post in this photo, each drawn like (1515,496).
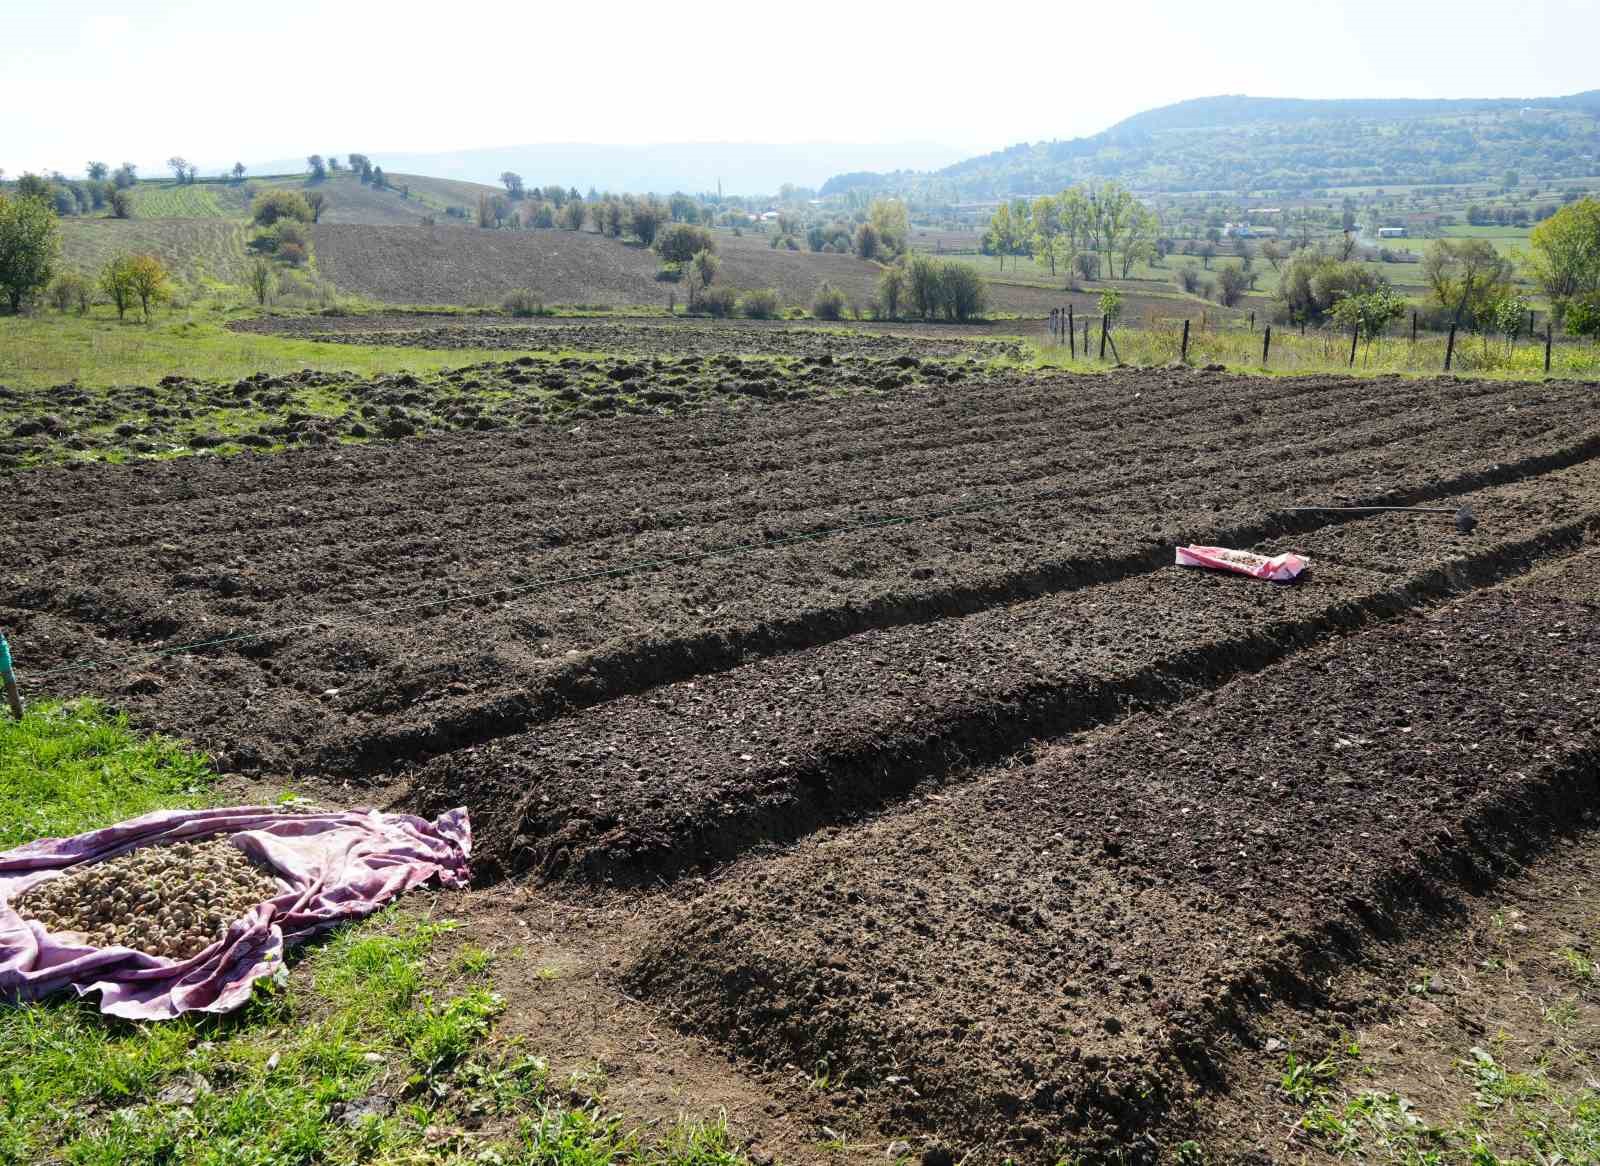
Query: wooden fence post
(1183,354)
(1072,333)
(1266,345)
(1086,338)
(1549,331)
(1105,329)
(1252,321)
(1413,327)
(1450,347)
(1355,335)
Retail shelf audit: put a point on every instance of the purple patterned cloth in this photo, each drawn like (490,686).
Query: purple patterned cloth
(331,867)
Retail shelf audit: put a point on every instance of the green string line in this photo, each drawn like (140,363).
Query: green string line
(541,584)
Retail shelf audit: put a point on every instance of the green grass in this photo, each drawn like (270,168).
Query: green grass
(168,200)
(97,350)
(1327,352)
(69,767)
(372,1049)
(1511,1118)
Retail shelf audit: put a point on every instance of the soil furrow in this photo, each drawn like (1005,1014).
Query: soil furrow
(1041,963)
(693,773)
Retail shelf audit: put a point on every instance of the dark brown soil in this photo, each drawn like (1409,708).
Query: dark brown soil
(643,336)
(1012,829)
(370,554)
(694,772)
(1041,958)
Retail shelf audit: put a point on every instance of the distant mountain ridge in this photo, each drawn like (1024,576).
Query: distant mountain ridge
(743,168)
(1281,144)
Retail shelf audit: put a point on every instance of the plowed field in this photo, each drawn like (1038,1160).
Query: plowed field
(877,729)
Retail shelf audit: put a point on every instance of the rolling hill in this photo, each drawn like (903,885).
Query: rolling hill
(1237,143)
(744,168)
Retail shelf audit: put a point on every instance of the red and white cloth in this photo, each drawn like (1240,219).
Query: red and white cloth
(1276,569)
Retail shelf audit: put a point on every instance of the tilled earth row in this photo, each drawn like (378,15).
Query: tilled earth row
(371,554)
(1039,963)
(694,772)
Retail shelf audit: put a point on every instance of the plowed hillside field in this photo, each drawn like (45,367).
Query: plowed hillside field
(874,737)
(445,264)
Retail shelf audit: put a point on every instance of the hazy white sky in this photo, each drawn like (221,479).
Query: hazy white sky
(221,81)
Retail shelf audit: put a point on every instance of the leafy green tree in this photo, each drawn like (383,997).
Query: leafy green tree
(71,290)
(889,218)
(121,203)
(702,269)
(1112,205)
(116,280)
(1311,283)
(148,279)
(1583,316)
(1000,237)
(318,202)
(1111,304)
(1232,283)
(318,167)
(262,279)
(125,176)
(97,171)
(1369,314)
(1046,218)
(867,241)
(1139,237)
(513,184)
(1466,276)
(1565,261)
(572,214)
(179,165)
(645,218)
(891,292)
(30,240)
(238,172)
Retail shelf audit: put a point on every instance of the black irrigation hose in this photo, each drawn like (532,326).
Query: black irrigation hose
(1465,519)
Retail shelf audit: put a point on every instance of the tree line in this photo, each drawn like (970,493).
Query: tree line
(1089,220)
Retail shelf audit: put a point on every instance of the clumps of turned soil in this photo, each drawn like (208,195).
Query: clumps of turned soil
(170,901)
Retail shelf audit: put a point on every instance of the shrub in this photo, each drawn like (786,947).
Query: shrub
(294,254)
(1187,277)
(70,290)
(718,301)
(829,304)
(1231,285)
(867,241)
(522,303)
(274,205)
(1583,316)
(761,304)
(645,219)
(669,273)
(29,244)
(891,292)
(965,294)
(680,242)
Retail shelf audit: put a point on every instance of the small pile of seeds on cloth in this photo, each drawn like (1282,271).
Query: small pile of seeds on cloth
(172,901)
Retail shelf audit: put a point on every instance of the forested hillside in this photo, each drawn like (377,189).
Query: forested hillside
(1283,145)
